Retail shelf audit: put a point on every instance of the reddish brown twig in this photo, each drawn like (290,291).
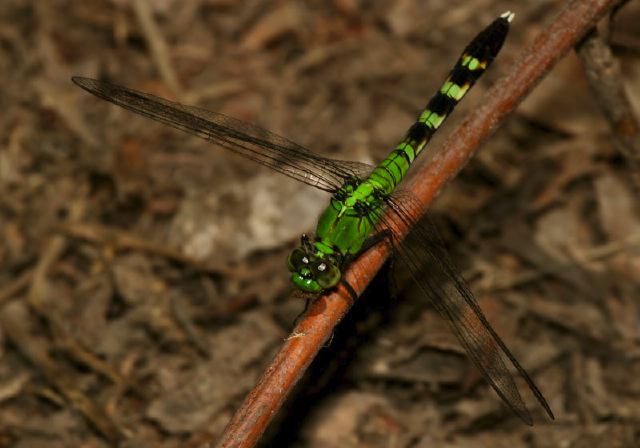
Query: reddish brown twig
(250,421)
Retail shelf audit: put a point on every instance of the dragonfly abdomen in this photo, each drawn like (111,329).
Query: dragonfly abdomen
(475,59)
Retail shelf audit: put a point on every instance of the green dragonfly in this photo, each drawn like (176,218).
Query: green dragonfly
(363,197)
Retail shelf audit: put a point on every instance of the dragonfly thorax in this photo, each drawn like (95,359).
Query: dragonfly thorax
(313,269)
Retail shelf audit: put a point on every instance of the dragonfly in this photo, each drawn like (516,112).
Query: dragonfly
(362,199)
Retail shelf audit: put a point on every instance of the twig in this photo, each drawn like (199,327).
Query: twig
(157,45)
(586,256)
(24,331)
(54,248)
(37,349)
(122,240)
(17,323)
(250,421)
(17,285)
(605,80)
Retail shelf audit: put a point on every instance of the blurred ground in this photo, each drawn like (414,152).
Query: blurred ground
(142,283)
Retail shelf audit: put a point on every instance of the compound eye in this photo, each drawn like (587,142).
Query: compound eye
(318,267)
(326,274)
(297,259)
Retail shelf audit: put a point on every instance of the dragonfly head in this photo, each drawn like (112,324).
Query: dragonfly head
(312,271)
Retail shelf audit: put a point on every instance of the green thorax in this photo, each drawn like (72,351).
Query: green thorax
(349,219)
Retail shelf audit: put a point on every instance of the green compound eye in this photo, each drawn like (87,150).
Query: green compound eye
(326,274)
(297,259)
(305,284)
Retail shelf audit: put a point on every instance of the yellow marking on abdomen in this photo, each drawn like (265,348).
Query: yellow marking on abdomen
(431,119)
(473,63)
(453,90)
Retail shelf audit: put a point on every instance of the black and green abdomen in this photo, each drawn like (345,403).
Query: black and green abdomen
(474,60)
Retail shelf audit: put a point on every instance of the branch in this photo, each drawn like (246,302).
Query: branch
(605,80)
(159,51)
(250,421)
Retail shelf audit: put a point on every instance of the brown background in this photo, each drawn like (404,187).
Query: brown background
(142,279)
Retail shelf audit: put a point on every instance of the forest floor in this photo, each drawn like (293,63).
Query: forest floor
(143,283)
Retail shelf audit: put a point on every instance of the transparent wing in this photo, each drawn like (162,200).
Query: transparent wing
(423,252)
(250,141)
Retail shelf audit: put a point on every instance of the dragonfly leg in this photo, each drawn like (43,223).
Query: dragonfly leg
(349,288)
(306,307)
(329,340)
(383,235)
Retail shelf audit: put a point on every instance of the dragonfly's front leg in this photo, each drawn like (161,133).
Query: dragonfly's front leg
(352,292)
(383,235)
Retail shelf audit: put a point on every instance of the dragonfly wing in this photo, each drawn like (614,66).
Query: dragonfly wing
(430,266)
(360,170)
(250,141)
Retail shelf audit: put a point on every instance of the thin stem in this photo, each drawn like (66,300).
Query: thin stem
(605,80)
